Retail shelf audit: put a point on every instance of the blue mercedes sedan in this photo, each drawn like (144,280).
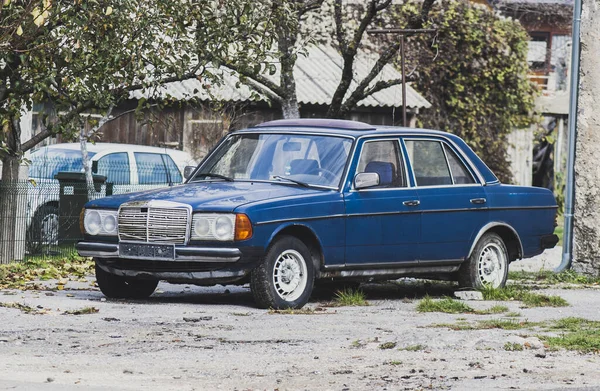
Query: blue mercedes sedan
(293,203)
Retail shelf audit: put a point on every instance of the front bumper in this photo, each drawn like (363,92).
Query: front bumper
(182,254)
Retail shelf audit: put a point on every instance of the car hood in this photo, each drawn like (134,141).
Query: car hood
(209,196)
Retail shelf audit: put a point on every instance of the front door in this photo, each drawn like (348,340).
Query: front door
(382,222)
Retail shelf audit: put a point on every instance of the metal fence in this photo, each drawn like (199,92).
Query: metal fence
(41,218)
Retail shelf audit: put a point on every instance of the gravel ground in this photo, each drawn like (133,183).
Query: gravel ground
(193,338)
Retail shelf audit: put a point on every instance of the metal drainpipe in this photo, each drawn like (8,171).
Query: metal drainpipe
(570,185)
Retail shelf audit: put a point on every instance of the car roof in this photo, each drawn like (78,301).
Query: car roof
(336,126)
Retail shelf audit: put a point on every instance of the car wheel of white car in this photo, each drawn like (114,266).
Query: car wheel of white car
(118,287)
(285,277)
(43,229)
(488,264)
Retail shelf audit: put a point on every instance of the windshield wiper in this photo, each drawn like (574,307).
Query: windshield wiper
(303,184)
(213,175)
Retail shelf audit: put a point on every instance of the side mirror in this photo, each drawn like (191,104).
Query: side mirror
(187,171)
(363,180)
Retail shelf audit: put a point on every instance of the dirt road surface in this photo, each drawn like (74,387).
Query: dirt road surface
(193,338)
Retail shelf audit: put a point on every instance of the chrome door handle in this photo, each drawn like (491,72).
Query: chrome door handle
(411,203)
(478,201)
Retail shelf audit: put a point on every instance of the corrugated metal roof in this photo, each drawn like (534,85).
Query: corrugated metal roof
(317,76)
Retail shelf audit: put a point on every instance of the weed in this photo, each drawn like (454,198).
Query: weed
(350,297)
(512,314)
(82,311)
(513,347)
(413,348)
(387,345)
(357,344)
(550,277)
(497,309)
(504,324)
(241,313)
(394,363)
(291,311)
(446,305)
(529,299)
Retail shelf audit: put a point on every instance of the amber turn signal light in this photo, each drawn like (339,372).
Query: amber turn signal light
(243,227)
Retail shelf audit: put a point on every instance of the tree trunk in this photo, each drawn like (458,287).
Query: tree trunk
(586,233)
(289,108)
(9,193)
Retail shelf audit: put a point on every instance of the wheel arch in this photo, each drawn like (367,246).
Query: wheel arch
(509,236)
(307,236)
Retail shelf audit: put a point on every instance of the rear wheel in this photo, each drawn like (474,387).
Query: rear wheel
(487,265)
(285,277)
(118,287)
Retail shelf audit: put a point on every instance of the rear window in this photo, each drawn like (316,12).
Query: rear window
(46,163)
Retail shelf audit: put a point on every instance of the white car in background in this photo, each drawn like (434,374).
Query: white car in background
(127,167)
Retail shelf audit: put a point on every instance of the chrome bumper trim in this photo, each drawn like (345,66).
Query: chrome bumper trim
(183,254)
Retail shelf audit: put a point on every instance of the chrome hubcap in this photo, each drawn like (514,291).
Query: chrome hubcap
(491,266)
(289,275)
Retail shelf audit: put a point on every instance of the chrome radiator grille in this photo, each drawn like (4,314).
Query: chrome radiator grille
(153,224)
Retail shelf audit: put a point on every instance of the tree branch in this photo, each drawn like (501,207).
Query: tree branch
(259,80)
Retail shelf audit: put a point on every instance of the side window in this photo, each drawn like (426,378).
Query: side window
(428,162)
(459,172)
(151,168)
(115,167)
(174,173)
(383,157)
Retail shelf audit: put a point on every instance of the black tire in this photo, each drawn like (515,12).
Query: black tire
(43,230)
(487,265)
(118,287)
(285,277)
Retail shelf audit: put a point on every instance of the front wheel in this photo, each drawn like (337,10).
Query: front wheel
(285,277)
(118,287)
(488,264)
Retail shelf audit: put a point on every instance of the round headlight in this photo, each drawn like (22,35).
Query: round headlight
(223,228)
(109,223)
(202,227)
(93,222)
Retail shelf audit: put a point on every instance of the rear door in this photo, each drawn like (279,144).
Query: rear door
(453,202)
(382,222)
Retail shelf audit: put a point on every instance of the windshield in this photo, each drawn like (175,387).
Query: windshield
(46,163)
(308,159)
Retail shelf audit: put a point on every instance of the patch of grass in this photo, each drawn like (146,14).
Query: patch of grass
(550,277)
(82,311)
(20,275)
(496,309)
(387,345)
(504,324)
(350,298)
(413,348)
(394,363)
(446,305)
(512,314)
(577,334)
(241,313)
(528,298)
(513,347)
(357,343)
